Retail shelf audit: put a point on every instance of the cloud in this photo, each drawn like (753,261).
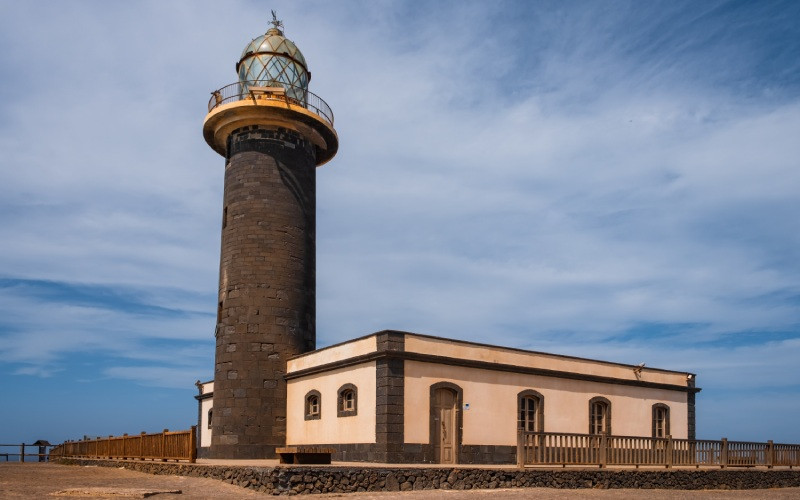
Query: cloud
(157,375)
(615,181)
(48,326)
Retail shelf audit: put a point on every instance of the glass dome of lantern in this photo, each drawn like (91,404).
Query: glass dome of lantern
(272,60)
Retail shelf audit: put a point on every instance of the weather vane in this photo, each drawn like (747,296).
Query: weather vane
(277,24)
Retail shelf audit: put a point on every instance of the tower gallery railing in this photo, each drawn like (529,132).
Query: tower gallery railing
(166,445)
(256,89)
(552,448)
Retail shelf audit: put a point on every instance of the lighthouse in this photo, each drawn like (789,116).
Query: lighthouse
(273,133)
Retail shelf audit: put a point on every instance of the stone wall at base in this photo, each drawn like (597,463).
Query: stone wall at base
(291,480)
(416,453)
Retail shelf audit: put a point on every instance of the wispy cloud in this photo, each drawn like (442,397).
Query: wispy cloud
(611,180)
(46,324)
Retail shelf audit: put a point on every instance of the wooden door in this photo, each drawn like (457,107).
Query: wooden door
(444,423)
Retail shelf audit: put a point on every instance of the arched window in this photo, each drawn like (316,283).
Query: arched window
(210,411)
(660,420)
(347,401)
(599,416)
(530,411)
(313,410)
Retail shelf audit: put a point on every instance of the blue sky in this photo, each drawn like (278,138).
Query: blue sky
(614,180)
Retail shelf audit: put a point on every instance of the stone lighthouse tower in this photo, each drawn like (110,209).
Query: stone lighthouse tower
(273,133)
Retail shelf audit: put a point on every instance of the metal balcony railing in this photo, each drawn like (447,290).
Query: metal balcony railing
(257,89)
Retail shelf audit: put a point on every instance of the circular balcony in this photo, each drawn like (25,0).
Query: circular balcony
(256,102)
(257,89)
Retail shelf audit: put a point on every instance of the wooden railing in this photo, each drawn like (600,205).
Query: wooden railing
(9,452)
(175,445)
(551,448)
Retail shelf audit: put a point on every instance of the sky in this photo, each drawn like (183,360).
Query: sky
(613,180)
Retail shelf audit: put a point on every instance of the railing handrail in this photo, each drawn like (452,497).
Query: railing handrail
(292,95)
(165,445)
(557,448)
(21,454)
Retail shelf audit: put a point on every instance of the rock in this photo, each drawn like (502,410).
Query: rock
(391,483)
(452,477)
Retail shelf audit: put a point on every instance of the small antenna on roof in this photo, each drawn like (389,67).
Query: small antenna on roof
(277,24)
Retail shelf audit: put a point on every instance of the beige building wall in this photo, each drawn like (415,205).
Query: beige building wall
(331,354)
(504,355)
(492,398)
(330,428)
(205,405)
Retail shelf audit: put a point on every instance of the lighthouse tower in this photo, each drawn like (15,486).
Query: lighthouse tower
(273,133)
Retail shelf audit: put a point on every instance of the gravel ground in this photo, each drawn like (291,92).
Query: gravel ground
(18,480)
(41,480)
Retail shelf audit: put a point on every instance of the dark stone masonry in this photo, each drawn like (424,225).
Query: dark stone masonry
(266,307)
(313,480)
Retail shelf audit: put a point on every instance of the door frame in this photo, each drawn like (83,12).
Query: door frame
(459,420)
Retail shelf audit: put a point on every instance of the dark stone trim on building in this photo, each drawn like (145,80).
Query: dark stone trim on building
(484,365)
(390,340)
(353,452)
(293,480)
(340,409)
(607,403)
(422,453)
(488,454)
(390,397)
(308,415)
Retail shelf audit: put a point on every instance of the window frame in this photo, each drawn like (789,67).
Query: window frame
(309,415)
(341,411)
(658,408)
(600,402)
(530,394)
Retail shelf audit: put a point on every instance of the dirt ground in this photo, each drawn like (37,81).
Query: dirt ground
(35,480)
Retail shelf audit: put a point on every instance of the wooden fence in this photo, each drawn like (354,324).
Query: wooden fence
(551,448)
(175,445)
(9,452)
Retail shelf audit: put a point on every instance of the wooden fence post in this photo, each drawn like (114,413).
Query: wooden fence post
(770,458)
(520,449)
(193,445)
(164,444)
(669,451)
(723,453)
(22,452)
(603,450)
